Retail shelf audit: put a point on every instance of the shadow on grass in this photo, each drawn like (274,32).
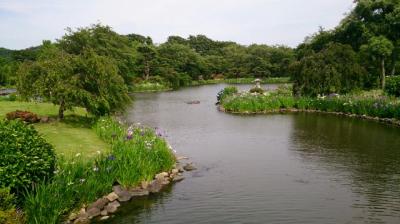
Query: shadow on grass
(78,121)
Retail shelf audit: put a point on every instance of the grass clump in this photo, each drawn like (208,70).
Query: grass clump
(227,91)
(137,154)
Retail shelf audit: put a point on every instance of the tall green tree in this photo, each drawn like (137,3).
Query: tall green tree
(146,59)
(104,42)
(335,69)
(379,49)
(88,80)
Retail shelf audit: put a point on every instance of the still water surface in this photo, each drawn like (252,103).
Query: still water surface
(293,168)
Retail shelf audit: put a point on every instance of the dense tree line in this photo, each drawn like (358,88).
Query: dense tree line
(357,54)
(176,62)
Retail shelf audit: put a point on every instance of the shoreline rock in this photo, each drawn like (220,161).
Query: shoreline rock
(104,208)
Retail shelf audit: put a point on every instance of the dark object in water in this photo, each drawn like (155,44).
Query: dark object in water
(193,102)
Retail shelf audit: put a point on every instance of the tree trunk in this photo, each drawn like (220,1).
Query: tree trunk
(383,75)
(61,110)
(393,70)
(147,70)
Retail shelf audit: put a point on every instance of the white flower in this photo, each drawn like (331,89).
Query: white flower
(98,152)
(77,155)
(95,169)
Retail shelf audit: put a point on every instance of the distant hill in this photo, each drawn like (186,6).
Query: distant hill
(20,55)
(6,53)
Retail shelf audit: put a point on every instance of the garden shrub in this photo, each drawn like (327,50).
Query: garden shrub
(7,208)
(25,157)
(227,91)
(393,86)
(6,199)
(23,115)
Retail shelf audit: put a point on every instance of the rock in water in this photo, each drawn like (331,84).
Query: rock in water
(112,207)
(100,203)
(178,178)
(104,218)
(93,212)
(189,167)
(112,196)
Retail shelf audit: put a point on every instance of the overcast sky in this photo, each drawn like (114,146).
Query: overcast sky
(25,23)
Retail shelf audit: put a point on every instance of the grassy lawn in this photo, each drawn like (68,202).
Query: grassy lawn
(69,137)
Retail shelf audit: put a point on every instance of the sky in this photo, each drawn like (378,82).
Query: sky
(25,23)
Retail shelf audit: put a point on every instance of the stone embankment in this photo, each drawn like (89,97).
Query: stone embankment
(105,207)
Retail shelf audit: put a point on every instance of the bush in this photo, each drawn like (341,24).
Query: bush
(6,199)
(23,115)
(393,86)
(227,91)
(8,214)
(25,157)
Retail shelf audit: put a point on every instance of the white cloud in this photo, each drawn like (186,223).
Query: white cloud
(25,23)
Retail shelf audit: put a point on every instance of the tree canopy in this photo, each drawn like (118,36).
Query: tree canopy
(87,79)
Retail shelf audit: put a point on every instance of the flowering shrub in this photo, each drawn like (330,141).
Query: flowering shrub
(25,157)
(23,115)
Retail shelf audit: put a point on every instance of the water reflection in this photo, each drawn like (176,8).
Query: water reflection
(362,154)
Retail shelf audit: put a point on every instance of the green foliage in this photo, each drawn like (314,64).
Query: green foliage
(227,91)
(8,214)
(379,47)
(7,199)
(373,31)
(374,105)
(137,154)
(87,80)
(393,86)
(181,59)
(102,41)
(332,70)
(26,158)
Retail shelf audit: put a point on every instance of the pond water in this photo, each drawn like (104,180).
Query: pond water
(292,168)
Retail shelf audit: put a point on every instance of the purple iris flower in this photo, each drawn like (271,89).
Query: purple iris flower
(159,132)
(111,157)
(129,136)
